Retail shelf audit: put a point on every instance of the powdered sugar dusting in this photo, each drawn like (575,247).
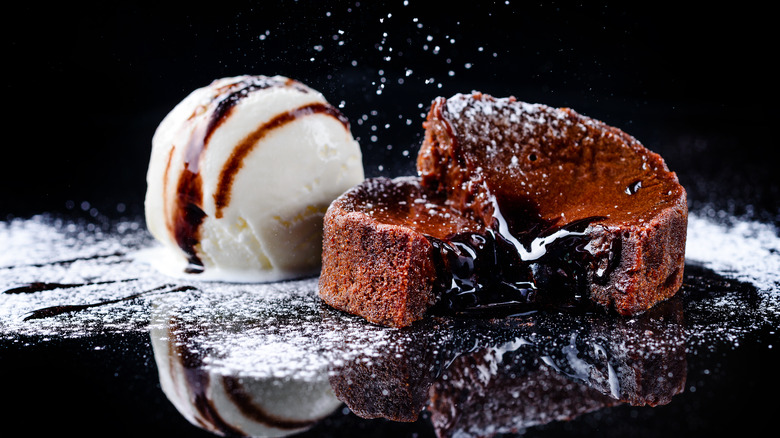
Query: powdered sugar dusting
(746,254)
(277,329)
(264,332)
(456,104)
(744,250)
(466,106)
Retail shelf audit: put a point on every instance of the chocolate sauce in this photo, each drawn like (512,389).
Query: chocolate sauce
(234,93)
(38,286)
(519,262)
(480,272)
(64,262)
(493,271)
(48,312)
(188,216)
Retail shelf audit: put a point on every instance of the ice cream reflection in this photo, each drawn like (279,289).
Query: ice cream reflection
(275,370)
(232,403)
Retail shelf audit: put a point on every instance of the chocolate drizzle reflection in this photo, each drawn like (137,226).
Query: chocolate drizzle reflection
(227,404)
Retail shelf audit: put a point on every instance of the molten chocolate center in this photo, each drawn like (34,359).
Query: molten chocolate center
(512,266)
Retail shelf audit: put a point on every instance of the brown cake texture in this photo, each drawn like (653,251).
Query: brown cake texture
(378,261)
(569,207)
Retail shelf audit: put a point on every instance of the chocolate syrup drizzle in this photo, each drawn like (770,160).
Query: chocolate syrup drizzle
(188,215)
(240,152)
(38,286)
(64,262)
(48,312)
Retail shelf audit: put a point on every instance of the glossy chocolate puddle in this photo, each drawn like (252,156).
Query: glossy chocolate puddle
(270,358)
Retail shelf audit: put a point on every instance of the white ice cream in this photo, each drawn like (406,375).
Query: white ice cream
(269,155)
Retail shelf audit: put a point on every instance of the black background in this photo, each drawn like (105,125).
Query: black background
(87,84)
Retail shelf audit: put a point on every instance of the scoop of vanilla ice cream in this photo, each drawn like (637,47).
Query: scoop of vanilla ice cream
(240,175)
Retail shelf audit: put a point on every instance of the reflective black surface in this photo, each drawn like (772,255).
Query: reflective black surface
(184,358)
(87,86)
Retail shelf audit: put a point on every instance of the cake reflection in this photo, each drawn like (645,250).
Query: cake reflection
(281,370)
(487,377)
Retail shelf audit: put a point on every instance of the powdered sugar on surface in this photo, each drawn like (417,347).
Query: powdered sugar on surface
(746,254)
(282,328)
(264,331)
(744,250)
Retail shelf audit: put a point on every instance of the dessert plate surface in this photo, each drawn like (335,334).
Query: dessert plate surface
(80,311)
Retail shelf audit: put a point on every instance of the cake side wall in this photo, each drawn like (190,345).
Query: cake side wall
(360,276)
(651,262)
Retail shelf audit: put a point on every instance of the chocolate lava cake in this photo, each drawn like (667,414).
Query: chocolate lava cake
(517,206)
